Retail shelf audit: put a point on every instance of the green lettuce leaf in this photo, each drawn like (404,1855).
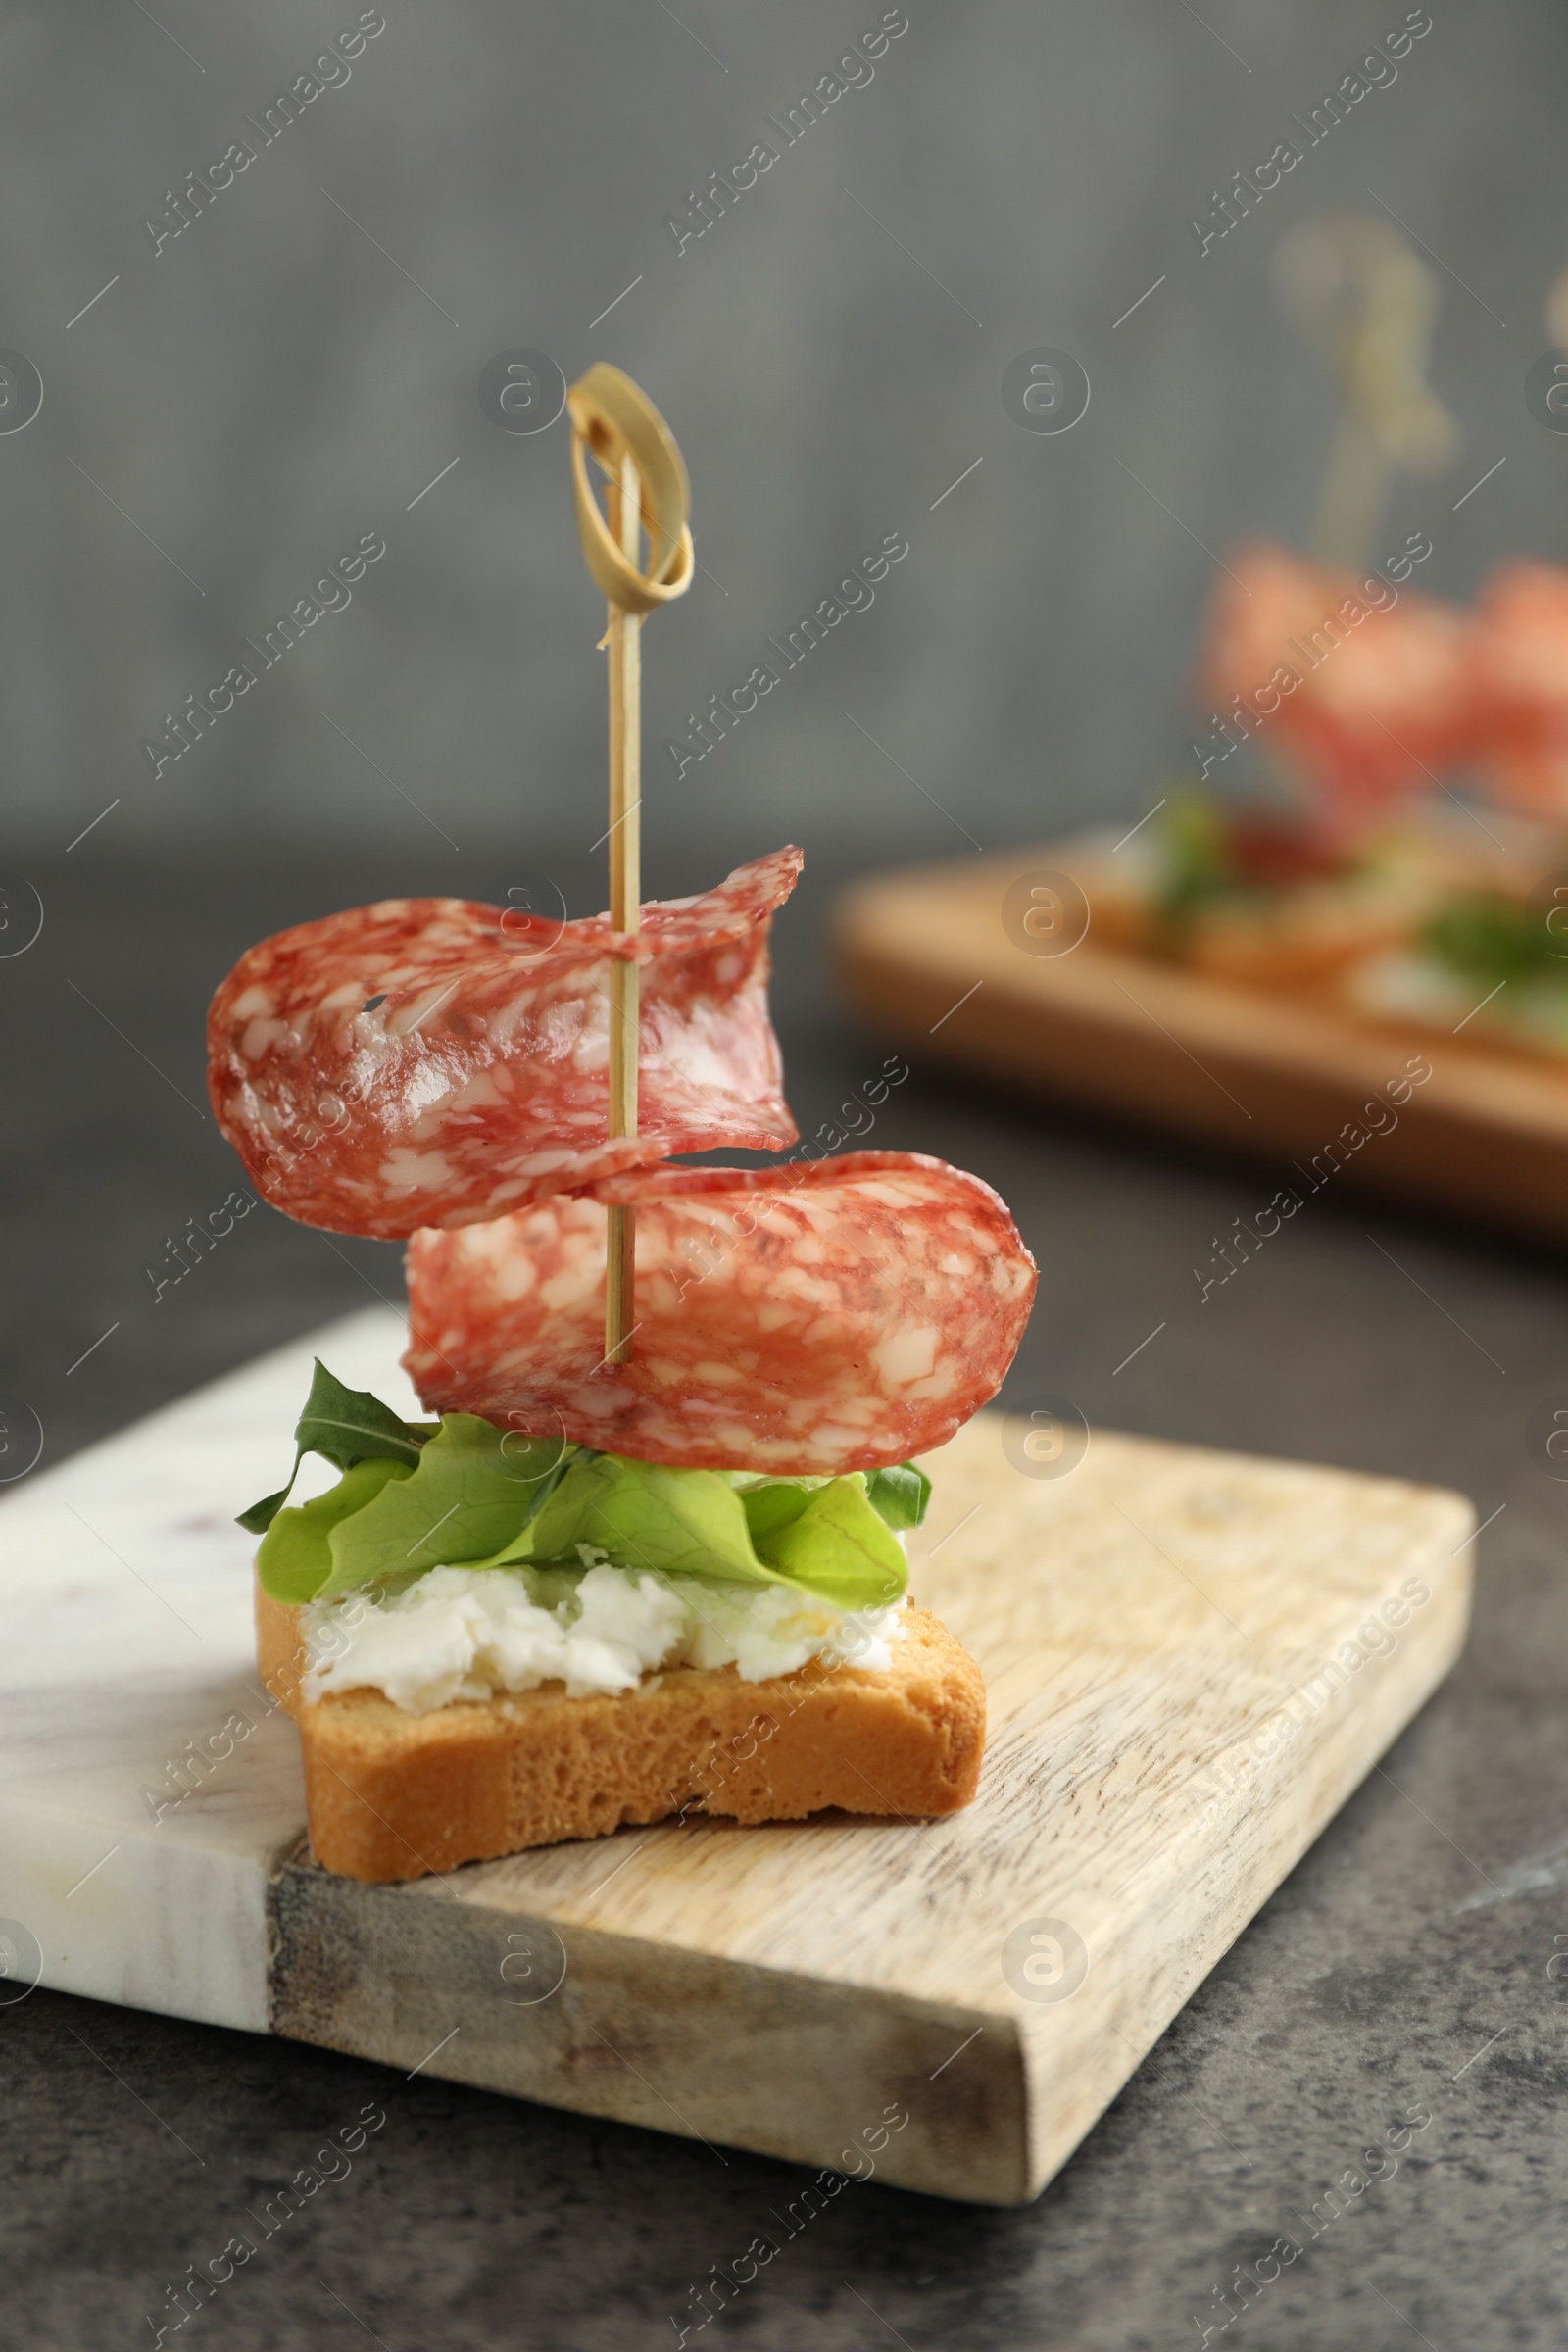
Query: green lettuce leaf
(474,1490)
(820,1536)
(295,1559)
(899,1495)
(646,1515)
(467,1494)
(840,1546)
(345,1426)
(772,1505)
(470,1491)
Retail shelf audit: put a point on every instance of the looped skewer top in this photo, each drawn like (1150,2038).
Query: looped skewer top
(1367,304)
(648,491)
(615,420)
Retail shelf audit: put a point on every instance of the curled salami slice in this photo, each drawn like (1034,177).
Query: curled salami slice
(1522,666)
(833,1315)
(434,1061)
(1368,687)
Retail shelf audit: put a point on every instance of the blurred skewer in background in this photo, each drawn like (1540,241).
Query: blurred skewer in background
(1353,684)
(1367,305)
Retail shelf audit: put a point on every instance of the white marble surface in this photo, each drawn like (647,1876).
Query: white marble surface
(125,1635)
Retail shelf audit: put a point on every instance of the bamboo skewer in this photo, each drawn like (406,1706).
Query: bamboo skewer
(1367,304)
(625,641)
(647,490)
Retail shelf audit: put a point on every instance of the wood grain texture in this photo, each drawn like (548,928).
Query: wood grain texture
(923,954)
(1192,1659)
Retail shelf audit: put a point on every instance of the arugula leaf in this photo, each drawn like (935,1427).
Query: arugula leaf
(259,1518)
(345,1426)
(899,1494)
(350,1425)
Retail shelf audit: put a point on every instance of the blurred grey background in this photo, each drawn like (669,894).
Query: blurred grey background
(291,372)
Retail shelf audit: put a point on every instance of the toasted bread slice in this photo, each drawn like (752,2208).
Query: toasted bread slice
(391,1795)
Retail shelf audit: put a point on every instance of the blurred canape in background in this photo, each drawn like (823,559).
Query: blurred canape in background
(1377,813)
(1355,895)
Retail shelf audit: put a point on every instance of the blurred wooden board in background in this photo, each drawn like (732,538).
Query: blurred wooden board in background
(936,959)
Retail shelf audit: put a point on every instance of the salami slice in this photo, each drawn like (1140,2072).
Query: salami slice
(1366,686)
(435,1061)
(838,1314)
(1522,663)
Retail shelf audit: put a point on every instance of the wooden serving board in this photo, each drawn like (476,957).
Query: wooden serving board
(1192,1658)
(930,957)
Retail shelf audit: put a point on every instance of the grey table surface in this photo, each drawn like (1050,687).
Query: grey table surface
(1408,1963)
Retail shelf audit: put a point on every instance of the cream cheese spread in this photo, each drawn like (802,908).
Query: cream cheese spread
(473,1633)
